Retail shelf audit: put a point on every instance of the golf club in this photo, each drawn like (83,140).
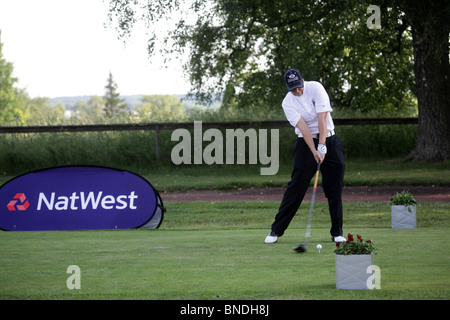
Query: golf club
(302,248)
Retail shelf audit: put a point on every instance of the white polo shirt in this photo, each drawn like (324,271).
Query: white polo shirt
(314,100)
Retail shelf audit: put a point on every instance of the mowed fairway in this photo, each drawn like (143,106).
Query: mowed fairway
(215,251)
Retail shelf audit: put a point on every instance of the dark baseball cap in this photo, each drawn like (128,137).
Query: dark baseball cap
(293,79)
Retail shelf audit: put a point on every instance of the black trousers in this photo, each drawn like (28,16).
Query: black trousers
(305,166)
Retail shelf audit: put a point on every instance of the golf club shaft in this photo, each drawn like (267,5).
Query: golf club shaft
(308,226)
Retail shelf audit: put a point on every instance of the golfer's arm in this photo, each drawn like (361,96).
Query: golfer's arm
(322,127)
(307,136)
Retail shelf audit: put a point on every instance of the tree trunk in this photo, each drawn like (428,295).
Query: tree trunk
(430,31)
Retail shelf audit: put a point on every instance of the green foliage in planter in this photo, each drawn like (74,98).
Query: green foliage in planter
(403,198)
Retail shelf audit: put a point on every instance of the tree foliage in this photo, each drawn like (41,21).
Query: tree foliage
(41,112)
(242,48)
(114,106)
(157,108)
(10,107)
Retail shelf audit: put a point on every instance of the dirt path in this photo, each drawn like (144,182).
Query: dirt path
(432,194)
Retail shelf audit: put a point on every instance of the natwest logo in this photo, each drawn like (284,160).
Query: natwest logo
(19,203)
(80,201)
(79,198)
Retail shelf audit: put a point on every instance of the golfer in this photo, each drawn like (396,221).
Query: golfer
(307,108)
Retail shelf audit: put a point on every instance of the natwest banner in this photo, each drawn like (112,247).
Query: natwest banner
(79,198)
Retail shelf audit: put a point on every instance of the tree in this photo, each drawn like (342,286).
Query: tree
(161,108)
(114,106)
(95,107)
(242,48)
(430,22)
(10,107)
(90,112)
(41,112)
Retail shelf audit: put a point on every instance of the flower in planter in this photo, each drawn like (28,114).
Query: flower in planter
(352,246)
(403,198)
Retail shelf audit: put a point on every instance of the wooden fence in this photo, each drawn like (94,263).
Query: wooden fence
(157,127)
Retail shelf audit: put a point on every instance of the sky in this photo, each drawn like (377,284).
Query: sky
(62,48)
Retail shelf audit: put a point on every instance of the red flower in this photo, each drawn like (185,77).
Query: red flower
(350,237)
(359,237)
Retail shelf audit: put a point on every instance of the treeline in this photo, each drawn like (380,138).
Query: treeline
(91,110)
(149,108)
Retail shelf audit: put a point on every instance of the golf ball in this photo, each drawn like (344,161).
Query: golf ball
(319,246)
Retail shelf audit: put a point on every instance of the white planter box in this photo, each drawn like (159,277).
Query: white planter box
(403,217)
(351,271)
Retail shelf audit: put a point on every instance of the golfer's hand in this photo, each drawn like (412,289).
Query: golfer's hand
(322,149)
(318,157)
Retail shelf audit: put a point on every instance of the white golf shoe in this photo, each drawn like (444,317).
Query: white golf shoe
(271,238)
(338,239)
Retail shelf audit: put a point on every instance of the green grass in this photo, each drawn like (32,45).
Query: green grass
(373,172)
(215,251)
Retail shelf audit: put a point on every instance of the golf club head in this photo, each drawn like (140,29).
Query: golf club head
(300,249)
